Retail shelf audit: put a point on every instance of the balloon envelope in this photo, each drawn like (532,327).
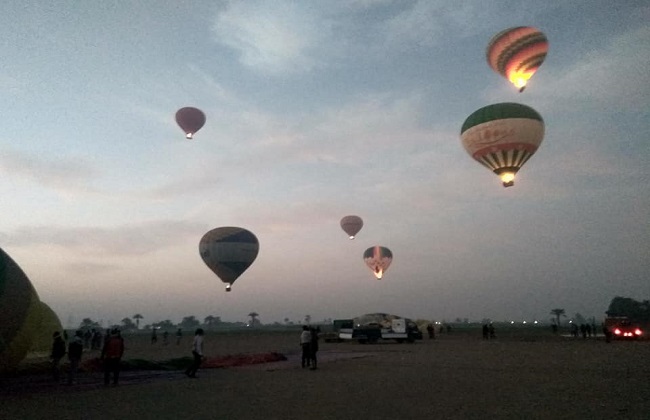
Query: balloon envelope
(20,313)
(516,53)
(190,120)
(228,251)
(351,225)
(502,137)
(49,323)
(378,259)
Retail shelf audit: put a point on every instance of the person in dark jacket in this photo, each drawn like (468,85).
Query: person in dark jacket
(112,356)
(75,349)
(58,351)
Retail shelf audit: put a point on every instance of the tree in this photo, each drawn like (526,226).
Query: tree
(254,319)
(87,324)
(307,319)
(286,321)
(210,320)
(558,313)
(189,322)
(163,325)
(127,324)
(579,319)
(137,318)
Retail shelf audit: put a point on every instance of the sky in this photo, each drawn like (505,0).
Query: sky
(317,110)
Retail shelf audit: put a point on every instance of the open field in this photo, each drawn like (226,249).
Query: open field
(521,374)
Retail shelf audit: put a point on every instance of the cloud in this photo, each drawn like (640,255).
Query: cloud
(427,23)
(125,240)
(616,74)
(69,175)
(271,37)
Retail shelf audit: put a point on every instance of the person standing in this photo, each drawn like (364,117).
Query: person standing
(305,342)
(313,348)
(75,349)
(58,351)
(112,356)
(154,336)
(197,352)
(431,331)
(179,335)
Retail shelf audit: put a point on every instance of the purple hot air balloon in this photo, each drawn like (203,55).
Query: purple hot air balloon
(190,120)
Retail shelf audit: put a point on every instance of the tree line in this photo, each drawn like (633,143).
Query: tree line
(638,311)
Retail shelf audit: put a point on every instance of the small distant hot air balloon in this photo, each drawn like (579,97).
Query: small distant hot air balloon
(517,53)
(228,252)
(190,120)
(351,225)
(503,137)
(378,259)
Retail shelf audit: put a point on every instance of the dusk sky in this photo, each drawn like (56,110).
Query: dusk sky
(317,110)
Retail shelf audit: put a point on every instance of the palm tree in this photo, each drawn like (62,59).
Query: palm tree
(253,316)
(558,313)
(137,318)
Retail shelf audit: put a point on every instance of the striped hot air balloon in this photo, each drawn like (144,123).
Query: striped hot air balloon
(503,137)
(228,252)
(517,53)
(378,259)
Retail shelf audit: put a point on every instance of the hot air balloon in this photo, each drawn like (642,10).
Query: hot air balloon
(228,252)
(20,313)
(378,259)
(190,120)
(517,53)
(351,225)
(503,137)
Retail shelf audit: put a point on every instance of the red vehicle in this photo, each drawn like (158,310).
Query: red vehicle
(622,328)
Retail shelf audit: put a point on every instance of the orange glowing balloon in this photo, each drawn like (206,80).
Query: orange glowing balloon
(516,54)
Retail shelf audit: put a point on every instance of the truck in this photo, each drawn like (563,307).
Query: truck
(621,327)
(399,329)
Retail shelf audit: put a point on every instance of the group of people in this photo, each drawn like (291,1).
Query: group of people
(489,331)
(309,346)
(584,329)
(111,355)
(154,336)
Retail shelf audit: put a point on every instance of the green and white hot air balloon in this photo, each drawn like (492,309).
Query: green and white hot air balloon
(502,137)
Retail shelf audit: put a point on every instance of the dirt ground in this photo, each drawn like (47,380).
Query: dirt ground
(452,377)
